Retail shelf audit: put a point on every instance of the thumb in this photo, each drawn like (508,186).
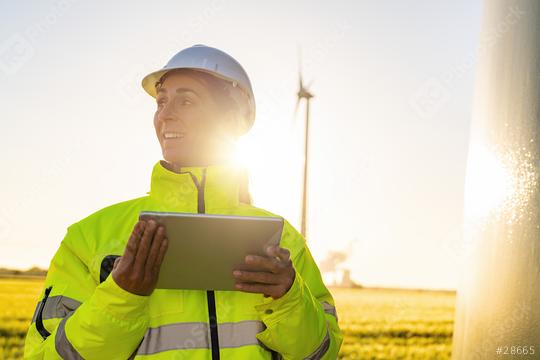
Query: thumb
(116,262)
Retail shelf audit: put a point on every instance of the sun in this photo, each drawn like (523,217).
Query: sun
(274,172)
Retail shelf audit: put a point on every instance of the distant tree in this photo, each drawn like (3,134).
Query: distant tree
(35,271)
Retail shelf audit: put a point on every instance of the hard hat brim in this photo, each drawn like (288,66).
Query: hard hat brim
(150,80)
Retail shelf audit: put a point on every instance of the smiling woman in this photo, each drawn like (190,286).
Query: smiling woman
(100,299)
(196,120)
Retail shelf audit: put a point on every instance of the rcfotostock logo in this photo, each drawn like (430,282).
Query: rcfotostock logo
(429,98)
(14,53)
(16,50)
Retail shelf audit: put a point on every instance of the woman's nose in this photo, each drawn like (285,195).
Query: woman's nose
(168,112)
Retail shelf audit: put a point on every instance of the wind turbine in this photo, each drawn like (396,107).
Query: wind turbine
(304,93)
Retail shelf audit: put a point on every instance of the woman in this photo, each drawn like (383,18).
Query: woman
(281,309)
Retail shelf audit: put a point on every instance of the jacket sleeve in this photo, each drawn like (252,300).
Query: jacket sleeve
(303,323)
(78,318)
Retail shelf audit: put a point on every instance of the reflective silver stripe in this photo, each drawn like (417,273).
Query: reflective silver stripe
(236,334)
(57,307)
(329,309)
(196,335)
(321,350)
(62,344)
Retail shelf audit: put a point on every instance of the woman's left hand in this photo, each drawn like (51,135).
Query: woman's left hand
(271,275)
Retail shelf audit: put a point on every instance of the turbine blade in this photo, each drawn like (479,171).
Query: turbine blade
(296,107)
(299,58)
(300,82)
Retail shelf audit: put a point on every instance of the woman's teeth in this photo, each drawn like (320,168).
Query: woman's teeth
(173,135)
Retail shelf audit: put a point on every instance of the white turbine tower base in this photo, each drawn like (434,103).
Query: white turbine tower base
(498,298)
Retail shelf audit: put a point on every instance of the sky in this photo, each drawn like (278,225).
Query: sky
(389,127)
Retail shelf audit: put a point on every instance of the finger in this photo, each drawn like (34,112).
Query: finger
(144,245)
(261,263)
(284,254)
(256,277)
(277,252)
(133,243)
(116,262)
(271,251)
(162,250)
(258,288)
(154,250)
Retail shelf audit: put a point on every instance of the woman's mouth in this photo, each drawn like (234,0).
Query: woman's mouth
(169,135)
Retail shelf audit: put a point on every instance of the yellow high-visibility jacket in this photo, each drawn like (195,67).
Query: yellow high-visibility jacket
(83,314)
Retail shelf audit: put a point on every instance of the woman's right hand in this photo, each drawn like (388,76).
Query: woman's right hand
(137,271)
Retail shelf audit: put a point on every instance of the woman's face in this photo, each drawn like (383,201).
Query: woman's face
(188,123)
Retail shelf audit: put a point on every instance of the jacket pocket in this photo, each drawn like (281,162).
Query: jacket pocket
(106,267)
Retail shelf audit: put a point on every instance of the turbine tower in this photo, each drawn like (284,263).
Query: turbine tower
(498,298)
(304,93)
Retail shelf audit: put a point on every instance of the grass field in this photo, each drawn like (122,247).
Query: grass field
(378,324)
(17,303)
(395,324)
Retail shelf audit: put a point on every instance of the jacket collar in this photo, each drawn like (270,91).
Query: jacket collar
(180,191)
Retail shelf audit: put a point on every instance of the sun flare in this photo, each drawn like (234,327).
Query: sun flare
(489,182)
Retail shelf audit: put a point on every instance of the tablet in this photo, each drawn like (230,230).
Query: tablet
(205,248)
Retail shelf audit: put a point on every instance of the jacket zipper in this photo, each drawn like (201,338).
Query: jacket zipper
(39,317)
(210,296)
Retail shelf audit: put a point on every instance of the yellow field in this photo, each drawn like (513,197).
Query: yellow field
(17,304)
(395,324)
(378,324)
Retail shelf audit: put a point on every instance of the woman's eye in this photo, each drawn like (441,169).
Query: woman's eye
(186,102)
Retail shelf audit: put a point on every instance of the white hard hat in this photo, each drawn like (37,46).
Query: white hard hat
(215,62)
